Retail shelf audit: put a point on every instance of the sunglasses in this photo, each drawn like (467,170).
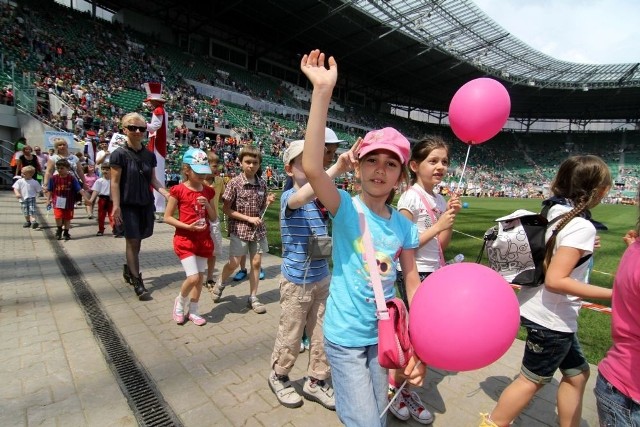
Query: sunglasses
(133,128)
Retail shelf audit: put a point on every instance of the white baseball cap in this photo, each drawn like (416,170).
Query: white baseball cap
(293,150)
(330,137)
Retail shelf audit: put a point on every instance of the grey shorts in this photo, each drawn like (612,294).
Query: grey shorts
(239,247)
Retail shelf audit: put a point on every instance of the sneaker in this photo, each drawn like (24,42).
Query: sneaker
(59,234)
(209,284)
(34,225)
(416,408)
(283,389)
(197,319)
(178,310)
(66,235)
(302,347)
(254,304)
(100,233)
(240,275)
(305,342)
(319,391)
(486,421)
(216,292)
(261,276)
(26,224)
(398,408)
(90,217)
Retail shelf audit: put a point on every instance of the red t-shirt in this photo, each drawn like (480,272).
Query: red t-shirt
(186,242)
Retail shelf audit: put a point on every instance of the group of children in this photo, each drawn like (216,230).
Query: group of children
(337,308)
(409,245)
(61,193)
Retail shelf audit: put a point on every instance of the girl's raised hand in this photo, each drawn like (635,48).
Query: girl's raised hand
(312,65)
(349,159)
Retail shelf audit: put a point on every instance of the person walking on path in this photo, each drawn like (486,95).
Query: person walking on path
(132,180)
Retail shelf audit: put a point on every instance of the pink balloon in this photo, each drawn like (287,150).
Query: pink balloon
(464,316)
(478,110)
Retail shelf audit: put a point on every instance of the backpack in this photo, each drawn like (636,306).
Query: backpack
(516,246)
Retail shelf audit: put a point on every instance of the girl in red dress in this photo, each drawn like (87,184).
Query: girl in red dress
(192,240)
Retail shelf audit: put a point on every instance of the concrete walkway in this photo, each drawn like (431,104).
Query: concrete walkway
(53,372)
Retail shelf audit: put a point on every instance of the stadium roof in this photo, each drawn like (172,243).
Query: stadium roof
(408,52)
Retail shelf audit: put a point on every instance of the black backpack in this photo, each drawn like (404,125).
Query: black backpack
(516,246)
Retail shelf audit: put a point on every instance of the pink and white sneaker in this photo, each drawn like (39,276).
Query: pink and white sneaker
(197,319)
(178,310)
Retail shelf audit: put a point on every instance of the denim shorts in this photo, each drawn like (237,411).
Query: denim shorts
(614,408)
(547,351)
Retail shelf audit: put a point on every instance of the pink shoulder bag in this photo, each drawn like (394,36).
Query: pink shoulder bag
(394,345)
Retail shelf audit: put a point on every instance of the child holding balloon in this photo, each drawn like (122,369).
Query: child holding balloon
(434,217)
(350,326)
(549,312)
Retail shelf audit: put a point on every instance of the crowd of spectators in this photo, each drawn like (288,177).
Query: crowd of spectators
(88,74)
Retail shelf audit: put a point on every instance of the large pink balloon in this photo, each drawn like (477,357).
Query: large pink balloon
(464,316)
(478,110)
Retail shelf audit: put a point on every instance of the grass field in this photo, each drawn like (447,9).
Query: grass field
(472,222)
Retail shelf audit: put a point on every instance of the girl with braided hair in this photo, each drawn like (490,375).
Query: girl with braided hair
(550,312)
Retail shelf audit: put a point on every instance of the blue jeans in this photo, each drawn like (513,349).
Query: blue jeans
(614,408)
(360,384)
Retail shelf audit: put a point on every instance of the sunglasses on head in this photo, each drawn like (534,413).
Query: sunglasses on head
(133,128)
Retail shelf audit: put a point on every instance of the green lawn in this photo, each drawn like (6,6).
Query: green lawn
(472,222)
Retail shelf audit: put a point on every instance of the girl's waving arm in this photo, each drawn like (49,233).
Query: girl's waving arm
(323,80)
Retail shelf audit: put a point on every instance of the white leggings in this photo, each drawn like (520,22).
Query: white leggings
(193,265)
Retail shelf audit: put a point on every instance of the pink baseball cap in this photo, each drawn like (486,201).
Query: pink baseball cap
(386,139)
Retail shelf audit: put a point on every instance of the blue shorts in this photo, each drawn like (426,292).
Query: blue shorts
(546,351)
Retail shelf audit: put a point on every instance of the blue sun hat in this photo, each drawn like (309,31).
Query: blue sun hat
(198,161)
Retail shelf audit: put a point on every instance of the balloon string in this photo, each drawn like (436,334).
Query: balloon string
(397,393)
(463,169)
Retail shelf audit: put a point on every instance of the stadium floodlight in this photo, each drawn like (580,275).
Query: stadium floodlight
(531,83)
(585,88)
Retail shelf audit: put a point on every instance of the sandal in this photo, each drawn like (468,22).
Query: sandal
(254,304)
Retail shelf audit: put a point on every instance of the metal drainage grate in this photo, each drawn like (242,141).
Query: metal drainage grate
(145,400)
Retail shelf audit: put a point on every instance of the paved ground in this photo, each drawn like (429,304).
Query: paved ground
(53,372)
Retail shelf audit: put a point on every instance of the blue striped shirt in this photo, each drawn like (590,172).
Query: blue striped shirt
(295,227)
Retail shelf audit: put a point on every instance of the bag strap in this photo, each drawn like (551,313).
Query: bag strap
(382,313)
(427,205)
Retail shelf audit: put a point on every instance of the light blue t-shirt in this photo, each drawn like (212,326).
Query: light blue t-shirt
(295,228)
(350,317)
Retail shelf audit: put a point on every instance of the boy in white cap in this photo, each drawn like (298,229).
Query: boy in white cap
(304,286)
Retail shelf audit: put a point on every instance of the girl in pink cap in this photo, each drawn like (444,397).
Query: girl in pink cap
(350,326)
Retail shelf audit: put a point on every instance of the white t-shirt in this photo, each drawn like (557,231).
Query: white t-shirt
(554,311)
(102,186)
(27,188)
(428,256)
